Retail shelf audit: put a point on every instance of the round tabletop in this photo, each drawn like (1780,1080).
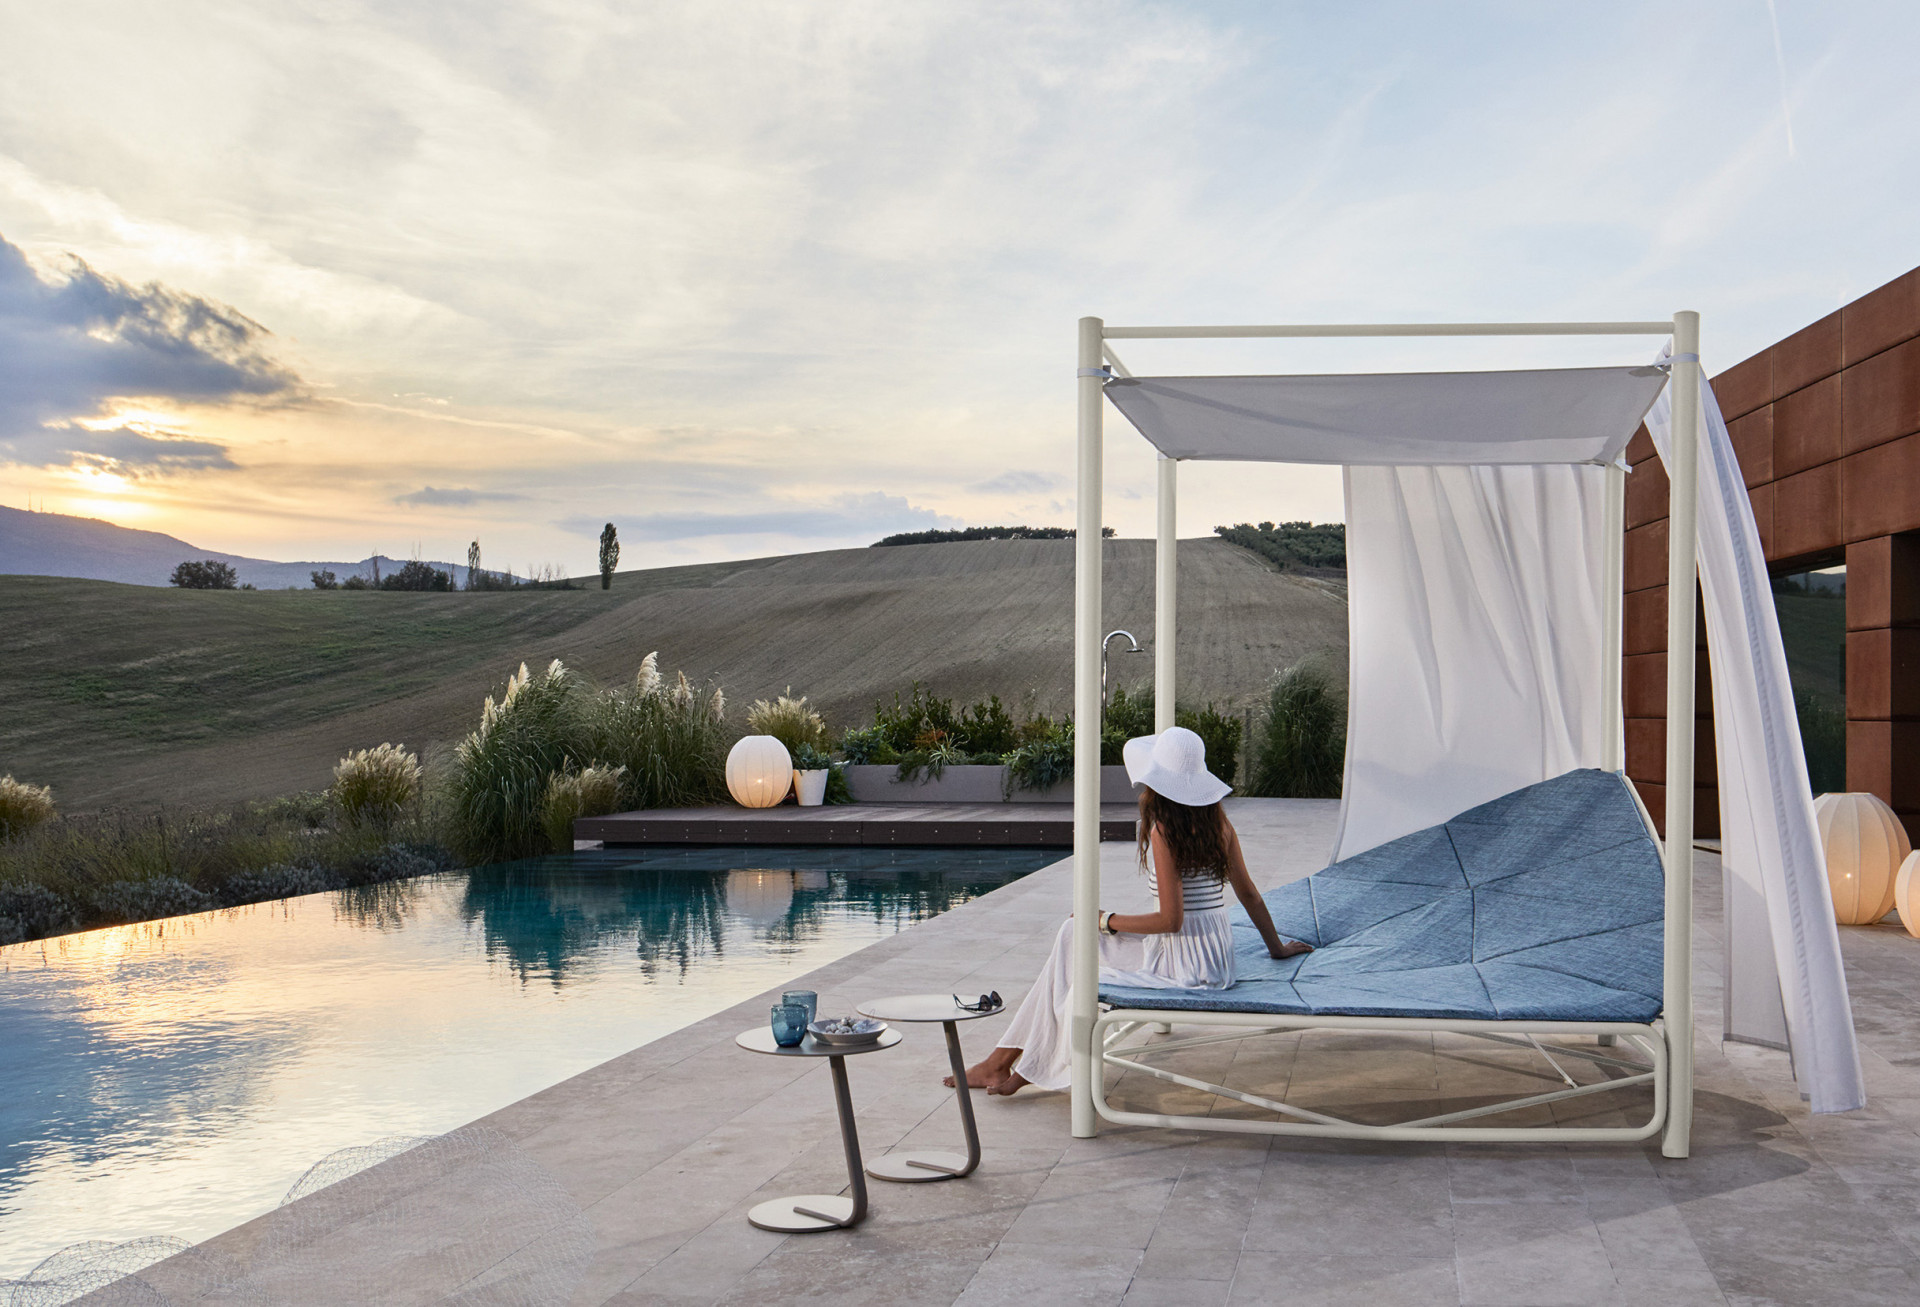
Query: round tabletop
(922,1007)
(760,1040)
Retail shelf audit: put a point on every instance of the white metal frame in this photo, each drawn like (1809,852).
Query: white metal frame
(1096,1037)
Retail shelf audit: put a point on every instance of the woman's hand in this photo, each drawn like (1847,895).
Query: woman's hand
(1291,948)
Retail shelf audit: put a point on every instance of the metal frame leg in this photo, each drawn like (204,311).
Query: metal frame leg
(811,1213)
(918,1167)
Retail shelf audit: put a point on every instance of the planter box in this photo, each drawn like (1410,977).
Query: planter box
(973,785)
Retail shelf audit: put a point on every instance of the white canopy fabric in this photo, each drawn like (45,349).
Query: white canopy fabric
(1558,415)
(1475,642)
(1782,945)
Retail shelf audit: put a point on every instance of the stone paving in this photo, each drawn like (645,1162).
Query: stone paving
(668,1146)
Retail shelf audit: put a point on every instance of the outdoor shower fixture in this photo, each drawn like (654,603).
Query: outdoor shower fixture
(1103,662)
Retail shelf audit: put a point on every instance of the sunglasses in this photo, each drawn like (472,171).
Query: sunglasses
(987,1003)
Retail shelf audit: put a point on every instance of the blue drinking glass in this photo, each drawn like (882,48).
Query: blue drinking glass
(789,1024)
(805,998)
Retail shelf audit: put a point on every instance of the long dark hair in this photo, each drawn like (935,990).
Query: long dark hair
(1196,837)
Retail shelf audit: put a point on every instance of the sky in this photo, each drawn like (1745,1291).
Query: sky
(315,280)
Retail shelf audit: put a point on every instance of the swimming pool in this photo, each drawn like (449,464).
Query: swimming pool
(175,1077)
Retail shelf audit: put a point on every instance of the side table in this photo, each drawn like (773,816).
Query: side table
(920,1165)
(809,1213)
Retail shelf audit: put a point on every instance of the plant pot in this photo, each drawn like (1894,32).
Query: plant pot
(810,787)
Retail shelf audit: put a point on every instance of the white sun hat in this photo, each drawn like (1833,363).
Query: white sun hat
(1173,764)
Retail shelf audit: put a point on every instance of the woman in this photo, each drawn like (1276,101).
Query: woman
(1187,943)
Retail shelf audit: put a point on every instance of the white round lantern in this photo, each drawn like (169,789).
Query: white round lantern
(1865,846)
(1906,893)
(759,771)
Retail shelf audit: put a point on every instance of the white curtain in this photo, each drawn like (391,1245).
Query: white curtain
(1475,622)
(1783,948)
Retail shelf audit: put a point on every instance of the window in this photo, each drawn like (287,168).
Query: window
(1812,604)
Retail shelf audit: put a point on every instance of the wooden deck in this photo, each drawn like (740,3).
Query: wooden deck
(856,823)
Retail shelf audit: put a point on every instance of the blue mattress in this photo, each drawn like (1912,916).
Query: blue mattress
(1545,905)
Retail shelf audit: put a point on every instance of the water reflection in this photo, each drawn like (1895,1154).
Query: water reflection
(172,1077)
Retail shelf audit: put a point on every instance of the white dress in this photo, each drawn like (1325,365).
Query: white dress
(1197,956)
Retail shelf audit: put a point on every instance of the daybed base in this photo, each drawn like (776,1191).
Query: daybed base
(1111,1028)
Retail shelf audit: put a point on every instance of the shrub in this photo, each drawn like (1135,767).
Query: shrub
(209,574)
(1131,715)
(1044,760)
(374,786)
(867,746)
(33,912)
(589,792)
(416,575)
(1302,736)
(324,580)
(23,807)
(358,583)
(145,900)
(284,880)
(927,722)
(788,720)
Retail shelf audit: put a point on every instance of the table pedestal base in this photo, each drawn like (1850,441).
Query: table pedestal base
(782,1215)
(918,1166)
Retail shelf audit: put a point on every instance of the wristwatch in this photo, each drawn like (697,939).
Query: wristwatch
(1106,928)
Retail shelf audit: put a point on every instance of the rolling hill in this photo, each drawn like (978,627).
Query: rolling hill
(55,544)
(125,695)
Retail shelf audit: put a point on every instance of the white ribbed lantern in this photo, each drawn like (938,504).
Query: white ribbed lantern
(1906,893)
(1865,846)
(759,771)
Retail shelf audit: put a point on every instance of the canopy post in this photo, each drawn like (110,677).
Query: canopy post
(1166,593)
(1085,973)
(1684,479)
(1613,723)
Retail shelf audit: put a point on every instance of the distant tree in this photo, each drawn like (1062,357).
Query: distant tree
(209,574)
(609,555)
(985,533)
(473,564)
(416,575)
(358,582)
(1292,544)
(325,581)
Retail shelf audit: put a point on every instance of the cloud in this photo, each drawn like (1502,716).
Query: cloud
(70,349)
(1018,483)
(453,497)
(854,516)
(121,450)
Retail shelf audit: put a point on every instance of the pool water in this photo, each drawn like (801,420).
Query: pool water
(176,1077)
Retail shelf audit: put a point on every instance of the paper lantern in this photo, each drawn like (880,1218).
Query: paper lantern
(759,771)
(1906,893)
(1865,846)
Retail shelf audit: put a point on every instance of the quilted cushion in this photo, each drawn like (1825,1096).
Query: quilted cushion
(1545,904)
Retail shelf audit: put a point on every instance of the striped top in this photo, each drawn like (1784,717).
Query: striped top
(1197,892)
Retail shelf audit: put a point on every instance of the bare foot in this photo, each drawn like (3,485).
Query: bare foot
(1012,1083)
(1293,948)
(981,1075)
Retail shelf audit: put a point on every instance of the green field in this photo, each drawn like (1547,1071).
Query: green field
(130,695)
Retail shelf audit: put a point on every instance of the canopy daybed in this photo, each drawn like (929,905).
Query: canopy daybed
(1495,875)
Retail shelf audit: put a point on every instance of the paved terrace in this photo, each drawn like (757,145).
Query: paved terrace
(668,1146)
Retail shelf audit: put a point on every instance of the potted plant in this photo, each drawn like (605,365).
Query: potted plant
(811,771)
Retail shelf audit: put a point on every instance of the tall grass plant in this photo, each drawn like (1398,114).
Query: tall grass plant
(23,807)
(375,786)
(1301,738)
